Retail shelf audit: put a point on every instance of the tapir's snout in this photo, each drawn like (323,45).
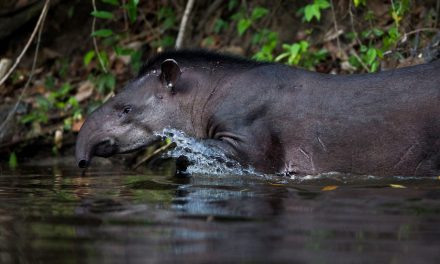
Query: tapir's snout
(83,163)
(86,149)
(83,152)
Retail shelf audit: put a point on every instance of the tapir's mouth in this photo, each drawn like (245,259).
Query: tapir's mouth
(106,148)
(139,145)
(109,147)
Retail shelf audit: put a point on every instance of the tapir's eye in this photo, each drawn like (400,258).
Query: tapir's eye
(127,109)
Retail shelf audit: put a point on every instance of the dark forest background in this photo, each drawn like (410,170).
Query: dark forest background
(83,51)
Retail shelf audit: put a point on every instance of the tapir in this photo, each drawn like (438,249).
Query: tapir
(276,118)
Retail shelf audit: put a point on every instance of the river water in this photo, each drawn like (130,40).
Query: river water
(56,213)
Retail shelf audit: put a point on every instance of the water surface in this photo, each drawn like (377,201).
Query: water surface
(55,214)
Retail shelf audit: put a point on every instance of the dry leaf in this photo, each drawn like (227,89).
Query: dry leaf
(58,138)
(398,186)
(329,188)
(76,126)
(85,90)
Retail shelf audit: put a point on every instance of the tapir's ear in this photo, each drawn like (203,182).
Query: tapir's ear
(170,73)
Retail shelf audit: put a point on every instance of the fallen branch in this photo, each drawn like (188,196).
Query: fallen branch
(183,23)
(39,29)
(405,35)
(26,47)
(335,23)
(155,153)
(354,53)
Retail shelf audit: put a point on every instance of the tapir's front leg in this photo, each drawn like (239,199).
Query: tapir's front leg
(252,149)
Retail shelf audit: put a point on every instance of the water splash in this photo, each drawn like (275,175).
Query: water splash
(203,159)
(209,160)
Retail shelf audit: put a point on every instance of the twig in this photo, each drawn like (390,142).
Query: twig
(26,47)
(39,29)
(335,23)
(208,14)
(352,24)
(95,43)
(422,29)
(125,16)
(155,153)
(183,23)
(354,53)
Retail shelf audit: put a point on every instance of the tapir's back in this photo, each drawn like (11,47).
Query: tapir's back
(383,123)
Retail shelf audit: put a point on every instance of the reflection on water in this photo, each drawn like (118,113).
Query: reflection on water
(53,214)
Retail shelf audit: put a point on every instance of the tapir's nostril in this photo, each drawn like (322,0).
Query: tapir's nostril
(83,164)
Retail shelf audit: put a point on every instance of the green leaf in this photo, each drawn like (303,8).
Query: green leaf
(258,13)
(322,4)
(120,51)
(136,60)
(169,22)
(378,32)
(167,17)
(111,82)
(105,83)
(393,32)
(131,8)
(243,25)
(294,52)
(236,16)
(371,55)
(28,118)
(365,34)
(219,25)
(60,105)
(89,57)
(102,33)
(363,48)
(71,11)
(104,58)
(311,11)
(72,101)
(167,41)
(232,4)
(42,102)
(111,2)
(13,161)
(64,90)
(281,56)
(379,53)
(304,45)
(359,2)
(102,14)
(374,66)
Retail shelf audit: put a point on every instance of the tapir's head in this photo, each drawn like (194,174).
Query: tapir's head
(128,121)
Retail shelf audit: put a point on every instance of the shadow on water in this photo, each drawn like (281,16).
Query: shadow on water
(54,214)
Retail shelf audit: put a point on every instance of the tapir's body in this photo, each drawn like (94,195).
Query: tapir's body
(277,118)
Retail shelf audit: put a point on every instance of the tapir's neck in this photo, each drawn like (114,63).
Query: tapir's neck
(203,87)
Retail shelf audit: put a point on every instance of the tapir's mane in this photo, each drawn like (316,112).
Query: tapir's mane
(194,58)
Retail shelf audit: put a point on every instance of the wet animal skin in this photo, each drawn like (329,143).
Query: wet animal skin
(276,118)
